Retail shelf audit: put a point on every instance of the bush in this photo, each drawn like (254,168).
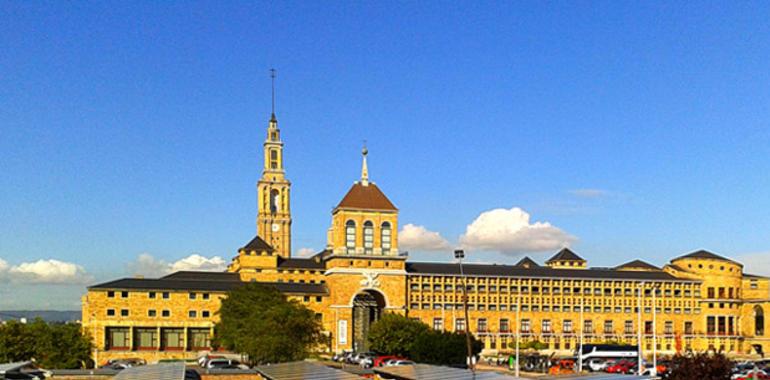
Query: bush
(443,348)
(52,345)
(395,334)
(700,366)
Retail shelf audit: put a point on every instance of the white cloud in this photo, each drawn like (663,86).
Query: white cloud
(305,252)
(419,238)
(589,193)
(755,263)
(46,272)
(510,232)
(148,266)
(3,266)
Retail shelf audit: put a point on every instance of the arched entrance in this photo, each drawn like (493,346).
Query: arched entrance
(759,321)
(367,308)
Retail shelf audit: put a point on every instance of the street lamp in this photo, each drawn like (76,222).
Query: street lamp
(460,255)
(655,288)
(639,327)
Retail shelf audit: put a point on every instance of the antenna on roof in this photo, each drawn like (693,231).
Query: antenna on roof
(272,79)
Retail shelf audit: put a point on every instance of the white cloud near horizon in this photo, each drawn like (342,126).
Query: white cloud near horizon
(755,263)
(419,238)
(510,232)
(305,252)
(148,266)
(42,271)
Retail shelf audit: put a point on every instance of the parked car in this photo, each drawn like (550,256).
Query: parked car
(120,364)
(357,357)
(381,361)
(750,375)
(402,362)
(204,360)
(191,374)
(225,364)
(25,371)
(597,364)
(621,366)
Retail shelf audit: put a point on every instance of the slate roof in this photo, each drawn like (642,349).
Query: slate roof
(302,263)
(368,197)
(202,276)
(527,262)
(538,272)
(565,254)
(637,264)
(258,245)
(703,254)
(212,284)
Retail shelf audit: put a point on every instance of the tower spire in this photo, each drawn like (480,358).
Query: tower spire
(364,168)
(272,79)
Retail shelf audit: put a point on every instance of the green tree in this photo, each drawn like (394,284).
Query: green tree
(52,345)
(394,334)
(443,348)
(259,321)
(700,366)
(535,345)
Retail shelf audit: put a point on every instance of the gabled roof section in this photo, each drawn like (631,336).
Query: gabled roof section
(703,254)
(526,262)
(637,264)
(313,262)
(565,254)
(258,245)
(368,197)
(202,276)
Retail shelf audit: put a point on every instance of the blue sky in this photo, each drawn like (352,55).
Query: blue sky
(637,129)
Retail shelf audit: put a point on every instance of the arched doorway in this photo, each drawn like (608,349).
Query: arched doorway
(367,309)
(759,321)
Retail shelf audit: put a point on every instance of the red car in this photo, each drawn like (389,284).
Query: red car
(622,366)
(381,360)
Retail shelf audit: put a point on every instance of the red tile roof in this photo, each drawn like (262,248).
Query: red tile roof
(368,197)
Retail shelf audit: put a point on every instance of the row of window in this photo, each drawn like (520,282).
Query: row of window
(154,338)
(165,313)
(546,326)
(722,292)
(154,295)
(607,292)
(368,233)
(471,280)
(555,308)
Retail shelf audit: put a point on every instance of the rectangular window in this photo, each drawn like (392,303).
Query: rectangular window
(110,312)
(482,325)
(628,327)
(688,328)
(648,327)
(165,295)
(199,339)
(460,324)
(205,296)
(192,313)
(525,325)
(504,325)
(110,294)
(567,325)
(546,326)
(146,338)
(588,326)
(710,293)
(172,339)
(165,313)
(152,313)
(124,294)
(192,296)
(151,295)
(608,327)
(438,324)
(668,328)
(124,312)
(205,314)
(118,338)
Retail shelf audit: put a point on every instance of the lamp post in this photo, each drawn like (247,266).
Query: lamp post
(655,288)
(460,255)
(582,327)
(518,332)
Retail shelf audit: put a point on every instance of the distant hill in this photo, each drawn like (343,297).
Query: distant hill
(46,315)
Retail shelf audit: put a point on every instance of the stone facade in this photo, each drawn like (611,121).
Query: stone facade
(698,301)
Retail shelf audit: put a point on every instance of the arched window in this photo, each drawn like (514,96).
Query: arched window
(759,321)
(275,200)
(385,237)
(350,236)
(368,237)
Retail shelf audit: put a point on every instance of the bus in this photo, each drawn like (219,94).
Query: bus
(607,351)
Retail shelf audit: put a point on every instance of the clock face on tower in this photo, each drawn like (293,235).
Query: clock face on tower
(276,227)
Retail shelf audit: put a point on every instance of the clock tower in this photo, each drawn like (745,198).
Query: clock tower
(273,196)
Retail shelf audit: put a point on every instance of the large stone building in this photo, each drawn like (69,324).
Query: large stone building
(698,301)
